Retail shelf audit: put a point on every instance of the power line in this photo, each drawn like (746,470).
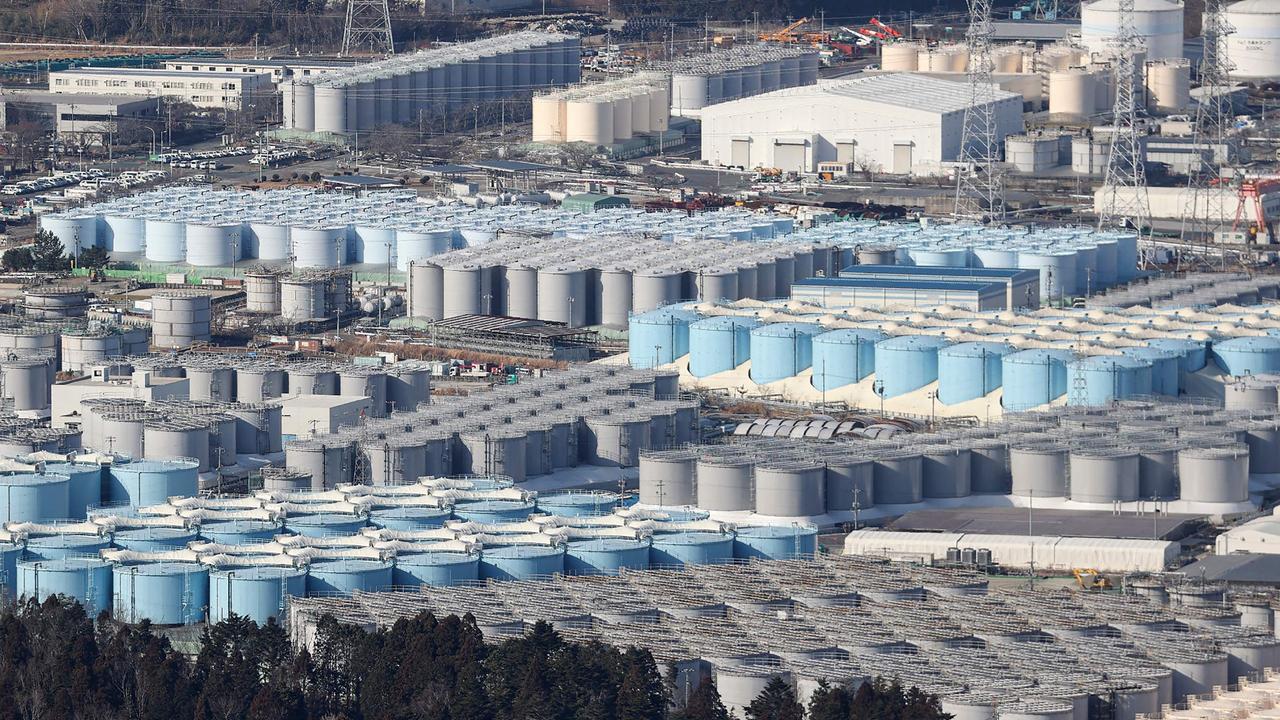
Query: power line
(1125,199)
(979,181)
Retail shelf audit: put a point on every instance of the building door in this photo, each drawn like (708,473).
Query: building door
(740,155)
(901,158)
(789,157)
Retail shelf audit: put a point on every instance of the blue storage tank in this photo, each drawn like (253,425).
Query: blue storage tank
(907,362)
(342,577)
(578,504)
(1032,378)
(1248,355)
(781,350)
(1165,367)
(10,555)
(87,580)
(844,357)
(438,569)
(690,548)
(29,497)
(166,593)
(151,482)
(153,539)
(240,532)
(521,562)
(256,592)
(1108,378)
(659,336)
(1194,353)
(325,524)
(410,518)
(84,486)
(775,542)
(56,547)
(494,511)
(605,556)
(719,343)
(970,370)
(684,514)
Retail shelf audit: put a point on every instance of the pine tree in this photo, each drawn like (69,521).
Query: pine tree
(704,704)
(470,701)
(776,702)
(642,695)
(47,252)
(829,702)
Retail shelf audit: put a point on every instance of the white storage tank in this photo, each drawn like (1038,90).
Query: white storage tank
(1159,24)
(1254,46)
(213,243)
(1072,93)
(589,120)
(897,57)
(1168,86)
(549,119)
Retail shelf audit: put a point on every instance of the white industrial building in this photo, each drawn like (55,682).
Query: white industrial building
(280,69)
(212,90)
(1047,552)
(899,123)
(88,119)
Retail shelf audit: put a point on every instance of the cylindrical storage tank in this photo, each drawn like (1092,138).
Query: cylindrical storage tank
(436,569)
(1192,354)
(26,383)
(690,548)
(719,343)
(907,362)
(166,593)
(492,452)
(589,120)
(897,57)
(621,111)
(74,230)
(688,92)
(302,299)
(153,539)
(655,287)
(775,542)
(945,471)
(1196,673)
(520,291)
(267,240)
(262,293)
(180,318)
(426,291)
(490,512)
(844,357)
(54,302)
(239,532)
(343,577)
(1032,378)
(989,467)
(415,244)
(898,477)
(213,244)
(1072,93)
(1158,470)
(1158,23)
(257,428)
(361,382)
(548,119)
(87,580)
(463,288)
(1253,45)
(56,547)
(325,524)
(659,337)
(82,349)
(717,284)
(1107,378)
(31,497)
(331,109)
(312,380)
(410,518)
(605,556)
(1037,709)
(151,482)
(614,440)
(1057,271)
(578,504)
(1251,393)
(374,245)
(740,685)
(1039,471)
(125,233)
(781,350)
(849,480)
(1165,368)
(1103,475)
(521,562)
(616,291)
(667,477)
(1263,439)
(259,593)
(173,438)
(562,295)
(166,240)
(790,488)
(970,370)
(1168,86)
(724,483)
(1248,355)
(319,247)
(1214,474)
(84,485)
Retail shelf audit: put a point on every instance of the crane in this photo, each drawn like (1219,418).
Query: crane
(787,34)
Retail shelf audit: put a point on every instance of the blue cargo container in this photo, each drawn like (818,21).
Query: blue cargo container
(605,556)
(521,562)
(151,482)
(343,577)
(781,350)
(240,532)
(1032,378)
(258,593)
(970,370)
(690,548)
(438,569)
(166,593)
(844,357)
(84,486)
(1108,378)
(719,343)
(775,542)
(30,497)
(325,524)
(153,539)
(907,362)
(86,580)
(1248,355)
(659,336)
(410,518)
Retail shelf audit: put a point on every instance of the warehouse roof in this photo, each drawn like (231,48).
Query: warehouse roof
(1047,521)
(909,90)
(1241,568)
(924,271)
(920,284)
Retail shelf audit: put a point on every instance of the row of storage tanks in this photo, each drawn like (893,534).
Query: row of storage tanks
(191,558)
(300,297)
(843,620)
(603,416)
(1136,451)
(604,113)
(742,71)
(399,89)
(606,278)
(1189,290)
(319,229)
(1032,359)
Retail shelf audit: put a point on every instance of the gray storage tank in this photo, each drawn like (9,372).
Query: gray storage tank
(1104,475)
(1039,470)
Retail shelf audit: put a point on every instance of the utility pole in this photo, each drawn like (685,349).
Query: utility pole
(979,175)
(1125,200)
(1205,209)
(368,25)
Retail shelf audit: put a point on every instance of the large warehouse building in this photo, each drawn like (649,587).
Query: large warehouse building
(898,123)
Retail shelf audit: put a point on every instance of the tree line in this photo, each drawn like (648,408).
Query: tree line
(56,662)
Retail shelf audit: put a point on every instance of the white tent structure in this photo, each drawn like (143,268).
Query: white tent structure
(1046,551)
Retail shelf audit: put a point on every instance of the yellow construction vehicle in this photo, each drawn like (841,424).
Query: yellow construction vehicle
(1091,579)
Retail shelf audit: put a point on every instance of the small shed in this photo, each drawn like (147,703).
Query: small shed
(591,202)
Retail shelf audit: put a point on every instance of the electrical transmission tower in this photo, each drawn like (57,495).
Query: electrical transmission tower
(979,181)
(1206,205)
(1124,191)
(368,27)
